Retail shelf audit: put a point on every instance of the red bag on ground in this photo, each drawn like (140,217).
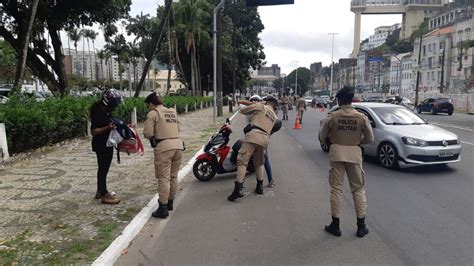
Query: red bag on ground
(129,146)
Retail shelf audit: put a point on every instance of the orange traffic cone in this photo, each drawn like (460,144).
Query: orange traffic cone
(297,122)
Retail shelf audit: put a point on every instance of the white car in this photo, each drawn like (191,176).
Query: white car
(402,138)
(308,100)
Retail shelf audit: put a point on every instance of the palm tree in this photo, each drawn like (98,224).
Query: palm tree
(191,14)
(101,55)
(135,54)
(75,36)
(119,47)
(90,35)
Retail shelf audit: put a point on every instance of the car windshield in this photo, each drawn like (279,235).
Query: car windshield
(444,100)
(397,116)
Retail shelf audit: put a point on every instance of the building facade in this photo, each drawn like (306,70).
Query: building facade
(273,70)
(408,77)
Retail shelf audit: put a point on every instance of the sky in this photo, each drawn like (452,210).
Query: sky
(297,35)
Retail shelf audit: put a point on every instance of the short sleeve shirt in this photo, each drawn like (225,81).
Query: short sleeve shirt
(100,118)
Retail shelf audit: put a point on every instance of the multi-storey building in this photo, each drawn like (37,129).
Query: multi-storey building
(462,60)
(380,35)
(273,70)
(347,72)
(408,76)
(396,73)
(436,50)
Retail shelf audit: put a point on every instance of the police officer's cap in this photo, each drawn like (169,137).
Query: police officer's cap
(271,99)
(152,98)
(345,92)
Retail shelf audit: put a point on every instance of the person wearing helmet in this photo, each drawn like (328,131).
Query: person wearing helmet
(262,119)
(101,125)
(162,129)
(347,129)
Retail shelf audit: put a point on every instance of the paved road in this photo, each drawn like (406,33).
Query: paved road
(416,216)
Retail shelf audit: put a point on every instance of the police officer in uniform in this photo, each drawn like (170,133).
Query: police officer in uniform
(347,129)
(262,118)
(161,128)
(301,107)
(284,106)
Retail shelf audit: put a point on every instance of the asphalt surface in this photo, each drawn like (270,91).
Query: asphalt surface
(420,216)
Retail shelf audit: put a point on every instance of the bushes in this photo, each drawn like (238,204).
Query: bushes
(32,124)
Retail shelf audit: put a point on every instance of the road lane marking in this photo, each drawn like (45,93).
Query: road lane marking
(453,126)
(469,143)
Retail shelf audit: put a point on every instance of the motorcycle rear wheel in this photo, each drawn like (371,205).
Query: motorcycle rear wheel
(204,170)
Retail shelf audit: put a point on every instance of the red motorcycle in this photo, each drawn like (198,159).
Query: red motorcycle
(216,159)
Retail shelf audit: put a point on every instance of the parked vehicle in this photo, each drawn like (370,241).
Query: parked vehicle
(375,99)
(308,100)
(402,138)
(435,106)
(401,101)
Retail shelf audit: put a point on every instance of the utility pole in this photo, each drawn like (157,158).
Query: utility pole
(216,10)
(418,71)
(332,62)
(441,86)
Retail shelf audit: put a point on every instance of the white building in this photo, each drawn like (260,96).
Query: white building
(361,70)
(396,73)
(161,79)
(436,50)
(380,36)
(408,76)
(462,70)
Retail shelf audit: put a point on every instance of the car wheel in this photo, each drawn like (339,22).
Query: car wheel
(450,113)
(388,156)
(418,110)
(433,111)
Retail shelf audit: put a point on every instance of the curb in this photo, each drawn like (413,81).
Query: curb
(114,250)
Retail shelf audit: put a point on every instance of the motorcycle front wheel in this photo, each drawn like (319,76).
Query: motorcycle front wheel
(204,170)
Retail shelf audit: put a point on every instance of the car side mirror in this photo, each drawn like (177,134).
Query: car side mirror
(372,123)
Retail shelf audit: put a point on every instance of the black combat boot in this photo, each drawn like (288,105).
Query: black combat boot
(161,212)
(362,230)
(237,193)
(259,188)
(333,228)
(170,205)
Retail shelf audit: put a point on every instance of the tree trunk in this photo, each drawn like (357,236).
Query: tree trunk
(219,65)
(193,74)
(83,58)
(120,74)
(156,42)
(170,55)
(95,61)
(59,66)
(24,42)
(90,58)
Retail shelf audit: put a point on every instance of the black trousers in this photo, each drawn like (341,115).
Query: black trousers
(104,159)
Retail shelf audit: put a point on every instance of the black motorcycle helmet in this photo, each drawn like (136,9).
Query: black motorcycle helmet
(111,99)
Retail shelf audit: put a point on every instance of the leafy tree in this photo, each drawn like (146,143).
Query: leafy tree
(8,61)
(305,79)
(53,16)
(118,46)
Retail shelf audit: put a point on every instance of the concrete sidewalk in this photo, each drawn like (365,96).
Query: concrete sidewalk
(47,210)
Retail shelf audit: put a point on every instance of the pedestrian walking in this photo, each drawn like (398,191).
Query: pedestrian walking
(284,106)
(101,125)
(262,119)
(301,108)
(347,129)
(161,128)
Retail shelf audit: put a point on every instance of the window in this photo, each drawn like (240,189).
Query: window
(441,46)
(424,50)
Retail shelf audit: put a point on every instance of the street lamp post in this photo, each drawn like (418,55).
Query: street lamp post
(216,10)
(332,62)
